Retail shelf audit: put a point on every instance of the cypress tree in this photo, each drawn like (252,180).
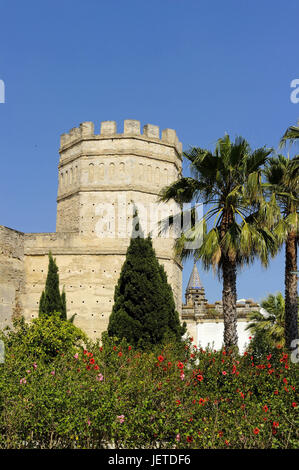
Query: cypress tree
(63,302)
(144,310)
(51,301)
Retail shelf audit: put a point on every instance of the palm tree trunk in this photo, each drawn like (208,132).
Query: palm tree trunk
(229,299)
(291,290)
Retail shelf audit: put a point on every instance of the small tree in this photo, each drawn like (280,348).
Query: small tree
(51,300)
(268,326)
(144,310)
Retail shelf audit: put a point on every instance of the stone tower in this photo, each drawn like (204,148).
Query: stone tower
(98,171)
(102,178)
(195,293)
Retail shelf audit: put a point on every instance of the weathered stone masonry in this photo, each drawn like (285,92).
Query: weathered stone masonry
(102,178)
(96,171)
(12,276)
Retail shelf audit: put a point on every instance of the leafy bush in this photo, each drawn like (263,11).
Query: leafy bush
(44,338)
(172,397)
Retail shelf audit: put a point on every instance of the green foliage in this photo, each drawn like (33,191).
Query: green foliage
(51,301)
(282,181)
(268,327)
(63,305)
(291,135)
(228,182)
(43,338)
(144,310)
(168,397)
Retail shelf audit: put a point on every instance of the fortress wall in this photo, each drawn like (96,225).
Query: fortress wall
(97,168)
(211,333)
(12,279)
(89,269)
(89,282)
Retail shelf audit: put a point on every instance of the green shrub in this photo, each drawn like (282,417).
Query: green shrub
(168,397)
(43,338)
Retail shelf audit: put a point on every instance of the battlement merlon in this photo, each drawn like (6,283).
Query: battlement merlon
(109,130)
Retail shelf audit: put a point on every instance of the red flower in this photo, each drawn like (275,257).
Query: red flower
(180,365)
(220,433)
(129,348)
(199,378)
(101,348)
(96,367)
(91,361)
(120,354)
(294,404)
(256,431)
(265,408)
(169,364)
(160,358)
(223,372)
(275,424)
(189,438)
(114,348)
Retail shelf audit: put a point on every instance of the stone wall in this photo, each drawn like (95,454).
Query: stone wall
(12,280)
(88,270)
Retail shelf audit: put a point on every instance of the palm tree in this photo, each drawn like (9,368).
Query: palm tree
(270,321)
(291,135)
(229,182)
(282,179)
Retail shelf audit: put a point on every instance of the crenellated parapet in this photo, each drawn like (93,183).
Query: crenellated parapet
(131,129)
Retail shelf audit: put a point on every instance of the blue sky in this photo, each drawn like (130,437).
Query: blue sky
(202,68)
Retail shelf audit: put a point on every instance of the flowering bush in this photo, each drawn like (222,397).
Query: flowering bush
(43,337)
(170,397)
